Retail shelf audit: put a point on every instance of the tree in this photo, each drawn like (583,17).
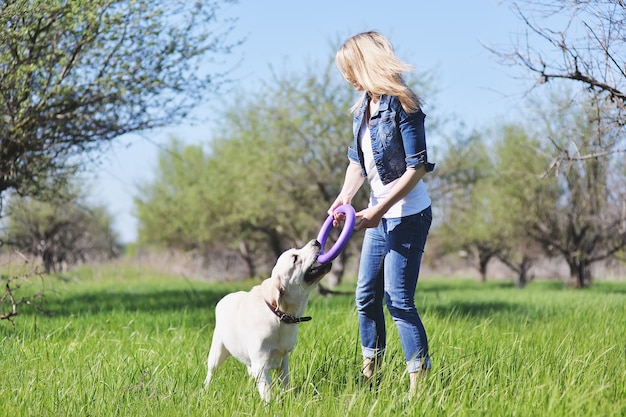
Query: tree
(579,41)
(587,222)
(171,209)
(270,173)
(62,230)
(462,187)
(520,192)
(76,74)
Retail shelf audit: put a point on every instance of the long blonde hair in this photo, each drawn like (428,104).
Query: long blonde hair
(369,59)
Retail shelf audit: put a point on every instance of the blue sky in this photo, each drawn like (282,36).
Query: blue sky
(443,37)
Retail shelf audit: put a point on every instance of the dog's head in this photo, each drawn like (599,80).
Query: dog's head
(300,267)
(293,278)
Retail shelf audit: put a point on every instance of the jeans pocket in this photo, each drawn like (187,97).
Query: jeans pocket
(427,215)
(424,219)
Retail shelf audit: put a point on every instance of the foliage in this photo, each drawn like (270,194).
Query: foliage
(521,195)
(502,198)
(267,177)
(127,342)
(587,223)
(286,148)
(581,42)
(462,187)
(177,215)
(76,74)
(62,230)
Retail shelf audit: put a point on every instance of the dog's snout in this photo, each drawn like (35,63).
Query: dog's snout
(317,244)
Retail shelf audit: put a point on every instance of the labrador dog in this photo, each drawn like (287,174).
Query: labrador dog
(260,327)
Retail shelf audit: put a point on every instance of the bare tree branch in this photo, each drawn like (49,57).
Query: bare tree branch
(12,285)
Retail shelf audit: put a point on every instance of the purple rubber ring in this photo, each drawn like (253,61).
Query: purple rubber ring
(344,236)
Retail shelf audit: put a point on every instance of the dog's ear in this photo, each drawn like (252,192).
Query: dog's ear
(272,290)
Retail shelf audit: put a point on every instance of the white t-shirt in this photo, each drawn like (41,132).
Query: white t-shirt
(415,201)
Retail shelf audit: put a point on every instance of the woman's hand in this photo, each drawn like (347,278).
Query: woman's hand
(367,218)
(351,184)
(339,217)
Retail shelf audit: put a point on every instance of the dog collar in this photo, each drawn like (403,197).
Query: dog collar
(286,318)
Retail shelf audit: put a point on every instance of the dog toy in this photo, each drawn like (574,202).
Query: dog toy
(344,236)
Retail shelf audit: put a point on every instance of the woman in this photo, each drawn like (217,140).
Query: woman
(389,149)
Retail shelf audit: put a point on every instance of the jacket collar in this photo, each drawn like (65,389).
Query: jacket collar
(383,105)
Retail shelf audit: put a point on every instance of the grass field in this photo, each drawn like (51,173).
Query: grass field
(126,342)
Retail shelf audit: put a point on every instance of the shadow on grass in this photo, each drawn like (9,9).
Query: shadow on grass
(468,284)
(150,301)
(481,309)
(135,298)
(443,285)
(606,287)
(180,296)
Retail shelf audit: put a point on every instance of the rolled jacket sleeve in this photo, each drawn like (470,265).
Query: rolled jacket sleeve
(353,155)
(414,139)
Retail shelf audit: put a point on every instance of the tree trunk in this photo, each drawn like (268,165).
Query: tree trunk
(484,254)
(248,258)
(275,242)
(524,267)
(522,279)
(335,275)
(580,273)
(483,260)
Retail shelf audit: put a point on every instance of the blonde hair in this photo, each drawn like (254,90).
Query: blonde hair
(368,58)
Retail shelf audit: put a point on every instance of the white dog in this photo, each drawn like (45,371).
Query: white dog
(260,327)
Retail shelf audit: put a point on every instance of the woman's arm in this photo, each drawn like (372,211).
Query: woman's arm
(351,184)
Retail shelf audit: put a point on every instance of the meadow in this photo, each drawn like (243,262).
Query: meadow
(124,341)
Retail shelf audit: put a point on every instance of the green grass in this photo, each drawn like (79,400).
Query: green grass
(126,342)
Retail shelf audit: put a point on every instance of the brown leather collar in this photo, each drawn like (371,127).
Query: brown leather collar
(286,318)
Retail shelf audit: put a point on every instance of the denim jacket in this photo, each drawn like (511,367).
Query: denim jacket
(398,139)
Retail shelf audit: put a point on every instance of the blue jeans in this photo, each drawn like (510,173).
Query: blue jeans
(390,264)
